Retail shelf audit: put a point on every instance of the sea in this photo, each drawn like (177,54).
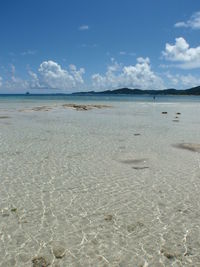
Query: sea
(116,184)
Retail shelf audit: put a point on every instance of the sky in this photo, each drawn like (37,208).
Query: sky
(52,46)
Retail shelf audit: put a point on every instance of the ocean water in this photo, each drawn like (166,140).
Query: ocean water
(116,186)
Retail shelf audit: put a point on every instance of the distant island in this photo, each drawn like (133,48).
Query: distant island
(122,91)
(128,91)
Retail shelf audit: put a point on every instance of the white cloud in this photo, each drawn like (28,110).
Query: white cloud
(16,83)
(124,53)
(51,75)
(88,45)
(193,22)
(34,80)
(12,69)
(139,75)
(188,58)
(29,53)
(189,80)
(83,28)
(183,81)
(1,80)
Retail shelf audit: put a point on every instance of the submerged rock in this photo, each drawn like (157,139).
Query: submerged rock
(41,108)
(135,227)
(167,254)
(59,252)
(164,112)
(14,209)
(140,168)
(108,217)
(171,253)
(84,107)
(40,262)
(188,146)
(4,117)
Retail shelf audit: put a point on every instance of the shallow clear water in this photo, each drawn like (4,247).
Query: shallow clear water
(103,187)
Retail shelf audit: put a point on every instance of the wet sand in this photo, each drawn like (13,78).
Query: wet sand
(107,187)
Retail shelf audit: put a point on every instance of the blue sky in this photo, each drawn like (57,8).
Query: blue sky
(66,46)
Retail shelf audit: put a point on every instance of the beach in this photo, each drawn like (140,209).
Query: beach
(116,184)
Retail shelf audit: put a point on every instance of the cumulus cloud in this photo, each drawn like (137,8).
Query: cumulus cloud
(83,28)
(34,80)
(13,82)
(188,57)
(139,75)
(183,81)
(52,75)
(193,22)
(16,83)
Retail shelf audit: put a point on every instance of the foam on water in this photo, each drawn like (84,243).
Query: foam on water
(102,187)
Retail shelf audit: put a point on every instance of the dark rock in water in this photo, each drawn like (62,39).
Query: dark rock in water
(14,209)
(137,134)
(108,217)
(178,113)
(5,214)
(167,254)
(4,117)
(189,252)
(164,112)
(85,107)
(188,146)
(41,108)
(175,120)
(135,227)
(171,254)
(59,252)
(40,262)
(140,168)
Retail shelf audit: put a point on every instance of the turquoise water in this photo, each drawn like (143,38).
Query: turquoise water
(115,186)
(138,98)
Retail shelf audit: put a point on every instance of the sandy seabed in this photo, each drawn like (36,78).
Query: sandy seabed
(94,187)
